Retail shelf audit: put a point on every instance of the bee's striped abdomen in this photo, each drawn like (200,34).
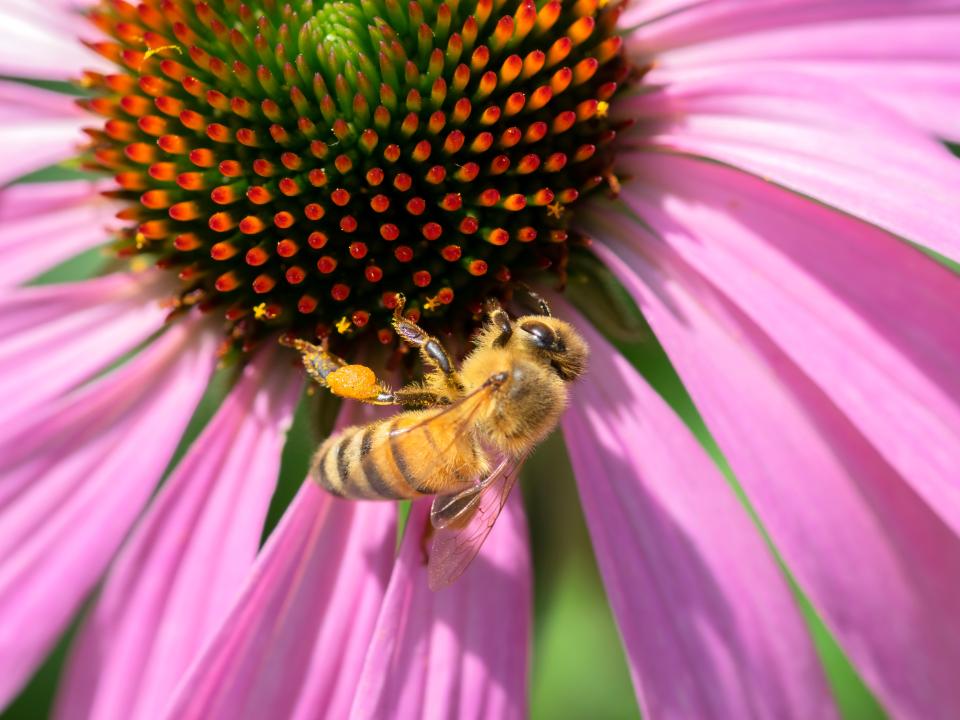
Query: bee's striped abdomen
(366,463)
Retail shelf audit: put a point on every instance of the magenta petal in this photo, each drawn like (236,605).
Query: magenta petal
(293,643)
(868,318)
(462,652)
(174,581)
(41,40)
(671,26)
(74,476)
(879,564)
(905,57)
(37,128)
(43,224)
(709,623)
(813,135)
(54,337)
(24,201)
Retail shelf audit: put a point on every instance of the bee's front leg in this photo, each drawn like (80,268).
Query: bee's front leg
(499,317)
(431,350)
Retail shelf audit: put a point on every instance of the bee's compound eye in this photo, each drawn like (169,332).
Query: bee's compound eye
(543,335)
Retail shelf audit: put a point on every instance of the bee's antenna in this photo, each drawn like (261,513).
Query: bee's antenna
(542,304)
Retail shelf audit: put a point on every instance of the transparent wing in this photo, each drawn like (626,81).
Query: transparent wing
(455,510)
(461,412)
(439,453)
(464,520)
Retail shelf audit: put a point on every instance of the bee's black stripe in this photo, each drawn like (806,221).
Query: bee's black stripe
(343,469)
(399,459)
(370,469)
(323,478)
(403,466)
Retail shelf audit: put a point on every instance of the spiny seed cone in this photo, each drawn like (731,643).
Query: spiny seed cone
(298,164)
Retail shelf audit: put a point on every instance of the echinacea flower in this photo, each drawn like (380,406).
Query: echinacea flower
(763,178)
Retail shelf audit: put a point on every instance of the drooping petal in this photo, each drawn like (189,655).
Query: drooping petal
(73,477)
(865,316)
(175,579)
(43,224)
(878,562)
(903,54)
(294,641)
(54,337)
(461,652)
(42,40)
(813,135)
(37,128)
(710,626)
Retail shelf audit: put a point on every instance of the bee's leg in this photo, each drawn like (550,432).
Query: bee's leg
(498,316)
(318,362)
(431,350)
(358,382)
(416,395)
(425,542)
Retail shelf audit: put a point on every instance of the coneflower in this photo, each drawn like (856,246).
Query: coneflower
(756,176)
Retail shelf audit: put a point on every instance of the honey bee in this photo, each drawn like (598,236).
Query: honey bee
(466,431)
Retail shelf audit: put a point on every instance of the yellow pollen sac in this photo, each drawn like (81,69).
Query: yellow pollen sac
(602,108)
(260,311)
(354,382)
(555,210)
(343,325)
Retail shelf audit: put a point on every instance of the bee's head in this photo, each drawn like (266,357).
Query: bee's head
(555,342)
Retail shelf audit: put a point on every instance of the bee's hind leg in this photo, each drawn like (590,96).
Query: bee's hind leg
(357,382)
(431,349)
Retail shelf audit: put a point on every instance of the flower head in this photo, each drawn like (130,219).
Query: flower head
(298,168)
(758,181)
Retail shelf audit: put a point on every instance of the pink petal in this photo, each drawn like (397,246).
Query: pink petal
(21,202)
(40,40)
(877,562)
(462,652)
(54,337)
(865,316)
(202,531)
(293,643)
(43,224)
(812,135)
(672,25)
(74,476)
(903,54)
(37,128)
(710,625)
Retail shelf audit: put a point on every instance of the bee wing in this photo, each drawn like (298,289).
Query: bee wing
(464,520)
(465,407)
(435,436)
(456,509)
